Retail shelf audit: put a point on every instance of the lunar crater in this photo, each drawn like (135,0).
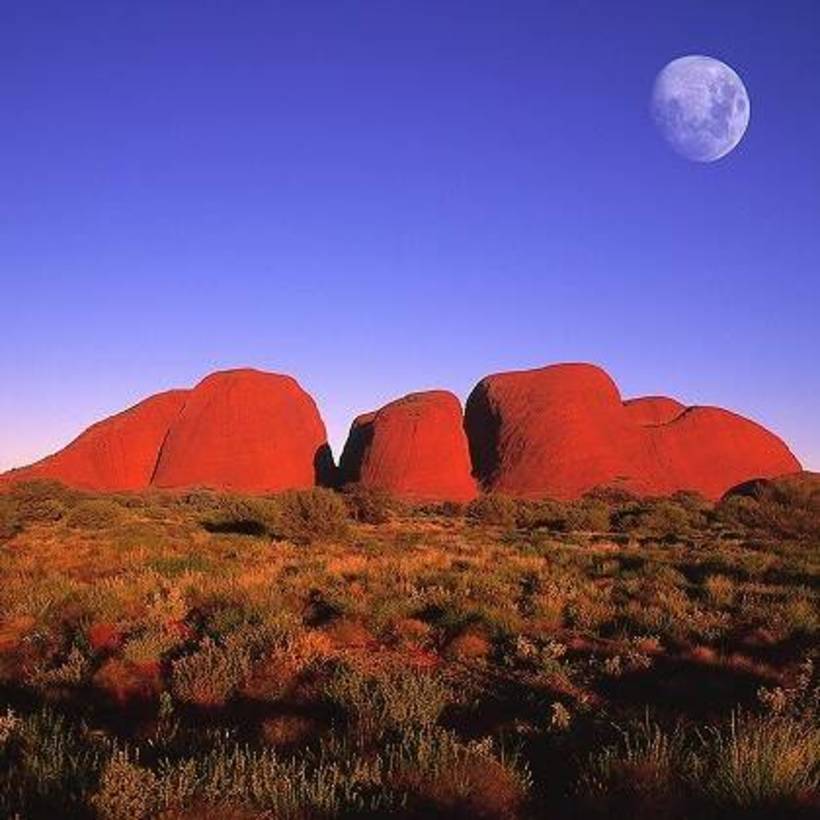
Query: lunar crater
(701,107)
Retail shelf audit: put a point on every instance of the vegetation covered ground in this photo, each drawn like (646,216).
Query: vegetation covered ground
(317,655)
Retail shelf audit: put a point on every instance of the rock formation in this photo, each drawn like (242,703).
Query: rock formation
(710,450)
(241,430)
(247,431)
(562,430)
(556,431)
(652,410)
(414,448)
(119,453)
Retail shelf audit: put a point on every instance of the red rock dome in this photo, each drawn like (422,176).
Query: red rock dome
(413,448)
(248,431)
(562,430)
(241,430)
(559,430)
(119,453)
(711,450)
(556,431)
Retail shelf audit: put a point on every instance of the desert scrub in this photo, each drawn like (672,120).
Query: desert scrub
(150,645)
(388,700)
(665,519)
(588,514)
(41,501)
(236,514)
(70,670)
(282,664)
(798,613)
(642,771)
(95,514)
(300,516)
(590,607)
(42,597)
(442,775)
(47,766)
(211,675)
(126,791)
(10,520)
(172,566)
(367,505)
(493,509)
(310,515)
(719,590)
(228,777)
(531,515)
(758,762)
(788,506)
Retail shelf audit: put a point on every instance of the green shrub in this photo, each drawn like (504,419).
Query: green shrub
(310,515)
(367,505)
(787,506)
(10,523)
(236,514)
(493,509)
(95,514)
(588,514)
(41,501)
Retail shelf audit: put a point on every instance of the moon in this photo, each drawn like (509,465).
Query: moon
(701,107)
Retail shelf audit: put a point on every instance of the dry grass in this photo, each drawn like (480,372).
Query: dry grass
(312,655)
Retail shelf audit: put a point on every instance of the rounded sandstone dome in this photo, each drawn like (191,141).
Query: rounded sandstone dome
(118,453)
(245,430)
(413,448)
(555,431)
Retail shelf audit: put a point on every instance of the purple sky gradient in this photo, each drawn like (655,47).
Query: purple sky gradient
(384,197)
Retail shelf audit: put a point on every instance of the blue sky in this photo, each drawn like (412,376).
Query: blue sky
(381,197)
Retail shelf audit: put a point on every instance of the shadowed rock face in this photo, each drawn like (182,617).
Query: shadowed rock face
(241,430)
(562,430)
(414,448)
(119,453)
